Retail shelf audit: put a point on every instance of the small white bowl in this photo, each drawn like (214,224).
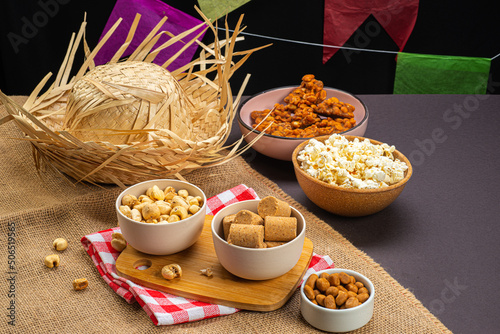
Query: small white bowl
(256,263)
(281,148)
(162,238)
(336,320)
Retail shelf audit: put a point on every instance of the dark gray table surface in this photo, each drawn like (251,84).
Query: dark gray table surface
(439,239)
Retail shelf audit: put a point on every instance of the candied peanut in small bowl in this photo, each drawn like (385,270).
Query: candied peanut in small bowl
(337,300)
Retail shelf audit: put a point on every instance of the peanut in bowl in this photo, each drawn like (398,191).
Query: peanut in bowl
(337,319)
(162,237)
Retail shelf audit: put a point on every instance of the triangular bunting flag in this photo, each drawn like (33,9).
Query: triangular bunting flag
(343,17)
(433,74)
(214,9)
(152,12)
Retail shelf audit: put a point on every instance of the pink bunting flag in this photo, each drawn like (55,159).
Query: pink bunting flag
(152,12)
(343,17)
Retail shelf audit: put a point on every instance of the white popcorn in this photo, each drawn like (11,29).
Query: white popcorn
(356,164)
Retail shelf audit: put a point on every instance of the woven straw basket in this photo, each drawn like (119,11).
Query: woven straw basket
(131,120)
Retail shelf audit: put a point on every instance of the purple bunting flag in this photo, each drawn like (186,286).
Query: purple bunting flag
(152,12)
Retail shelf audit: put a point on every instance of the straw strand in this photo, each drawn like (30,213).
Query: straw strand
(131,120)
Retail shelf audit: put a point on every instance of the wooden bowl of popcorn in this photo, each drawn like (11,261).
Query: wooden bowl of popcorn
(350,176)
(161,217)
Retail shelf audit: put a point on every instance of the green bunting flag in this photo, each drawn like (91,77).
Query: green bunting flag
(433,74)
(214,9)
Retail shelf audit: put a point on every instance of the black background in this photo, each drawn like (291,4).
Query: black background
(444,27)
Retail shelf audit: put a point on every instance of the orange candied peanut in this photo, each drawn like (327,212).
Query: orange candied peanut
(333,107)
(308,78)
(299,115)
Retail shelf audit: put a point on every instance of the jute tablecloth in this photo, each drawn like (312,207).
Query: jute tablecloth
(35,210)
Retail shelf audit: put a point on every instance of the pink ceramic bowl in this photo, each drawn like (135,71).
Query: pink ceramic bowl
(282,147)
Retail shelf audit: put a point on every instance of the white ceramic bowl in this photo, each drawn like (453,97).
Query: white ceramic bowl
(256,263)
(162,238)
(282,147)
(336,320)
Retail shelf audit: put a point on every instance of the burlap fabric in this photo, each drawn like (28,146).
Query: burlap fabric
(37,209)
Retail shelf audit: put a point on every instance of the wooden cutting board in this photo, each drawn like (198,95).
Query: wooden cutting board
(222,288)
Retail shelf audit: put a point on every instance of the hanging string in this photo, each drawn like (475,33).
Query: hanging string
(318,44)
(309,43)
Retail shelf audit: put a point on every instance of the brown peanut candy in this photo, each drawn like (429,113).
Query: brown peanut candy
(351,294)
(341,287)
(341,298)
(334,279)
(330,302)
(344,278)
(335,291)
(362,297)
(321,299)
(352,302)
(324,275)
(309,292)
(362,290)
(352,287)
(332,290)
(80,284)
(322,284)
(311,280)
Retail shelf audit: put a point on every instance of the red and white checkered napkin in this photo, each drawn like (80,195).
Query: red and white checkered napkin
(164,308)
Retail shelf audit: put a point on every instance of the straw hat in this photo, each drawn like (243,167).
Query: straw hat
(127,96)
(132,120)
